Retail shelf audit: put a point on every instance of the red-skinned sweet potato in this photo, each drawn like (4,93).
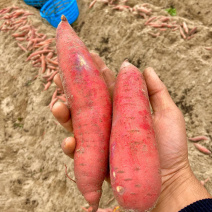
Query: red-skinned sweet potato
(134,160)
(89,100)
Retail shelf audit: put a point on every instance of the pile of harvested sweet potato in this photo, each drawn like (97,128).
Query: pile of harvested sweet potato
(39,49)
(156,24)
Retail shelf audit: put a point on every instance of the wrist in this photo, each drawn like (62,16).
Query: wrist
(179,191)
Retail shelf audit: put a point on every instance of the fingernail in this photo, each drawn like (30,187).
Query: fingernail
(150,69)
(66,141)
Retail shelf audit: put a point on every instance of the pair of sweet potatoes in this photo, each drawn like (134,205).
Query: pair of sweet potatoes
(134,161)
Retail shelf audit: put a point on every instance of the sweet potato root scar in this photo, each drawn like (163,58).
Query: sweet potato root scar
(81,61)
(120,189)
(63,18)
(114,174)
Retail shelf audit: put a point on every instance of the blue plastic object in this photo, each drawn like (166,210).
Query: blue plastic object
(35,3)
(54,9)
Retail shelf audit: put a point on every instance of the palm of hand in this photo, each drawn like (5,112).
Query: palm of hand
(171,136)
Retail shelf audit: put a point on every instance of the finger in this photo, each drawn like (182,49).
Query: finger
(107,74)
(68,146)
(62,113)
(158,94)
(58,81)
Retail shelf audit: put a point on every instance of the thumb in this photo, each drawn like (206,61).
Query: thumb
(158,94)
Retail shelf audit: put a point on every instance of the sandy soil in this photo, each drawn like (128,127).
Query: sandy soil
(32,174)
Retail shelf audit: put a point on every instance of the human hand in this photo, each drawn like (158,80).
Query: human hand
(177,178)
(179,185)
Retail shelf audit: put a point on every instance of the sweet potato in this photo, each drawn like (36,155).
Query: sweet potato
(89,100)
(134,160)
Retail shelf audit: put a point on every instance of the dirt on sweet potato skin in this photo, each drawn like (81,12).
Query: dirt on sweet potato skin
(32,169)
